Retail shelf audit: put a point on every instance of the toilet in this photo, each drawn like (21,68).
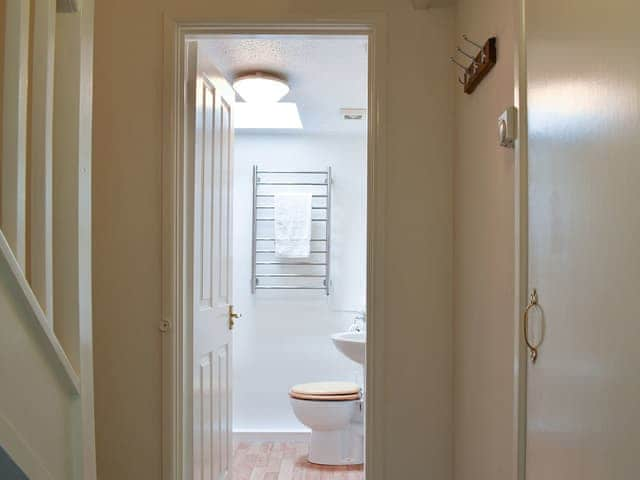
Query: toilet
(334,413)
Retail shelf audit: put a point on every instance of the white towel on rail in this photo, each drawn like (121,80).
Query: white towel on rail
(292,224)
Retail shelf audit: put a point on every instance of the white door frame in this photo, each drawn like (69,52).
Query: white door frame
(521,239)
(176,287)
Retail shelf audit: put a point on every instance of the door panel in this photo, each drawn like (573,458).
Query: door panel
(225,190)
(222,446)
(584,171)
(213,137)
(207,185)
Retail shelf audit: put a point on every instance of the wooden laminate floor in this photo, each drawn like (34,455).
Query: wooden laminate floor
(284,461)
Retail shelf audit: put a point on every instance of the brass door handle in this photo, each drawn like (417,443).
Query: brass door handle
(533,302)
(233,316)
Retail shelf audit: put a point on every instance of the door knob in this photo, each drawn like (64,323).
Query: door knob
(233,316)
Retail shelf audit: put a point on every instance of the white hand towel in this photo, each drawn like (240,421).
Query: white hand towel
(292,223)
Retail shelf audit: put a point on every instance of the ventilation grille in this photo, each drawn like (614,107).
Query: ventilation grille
(353,113)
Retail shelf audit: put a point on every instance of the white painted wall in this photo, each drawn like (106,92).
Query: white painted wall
(283,337)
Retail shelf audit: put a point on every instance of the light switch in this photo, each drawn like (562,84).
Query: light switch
(507,127)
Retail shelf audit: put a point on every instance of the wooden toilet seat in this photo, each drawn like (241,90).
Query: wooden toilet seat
(326,391)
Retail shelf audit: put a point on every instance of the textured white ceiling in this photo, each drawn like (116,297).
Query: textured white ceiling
(325,73)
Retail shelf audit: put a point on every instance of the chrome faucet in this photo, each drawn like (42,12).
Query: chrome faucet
(359,322)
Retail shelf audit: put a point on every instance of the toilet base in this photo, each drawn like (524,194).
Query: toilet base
(337,447)
(337,430)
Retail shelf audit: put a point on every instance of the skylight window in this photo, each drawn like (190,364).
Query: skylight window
(261,115)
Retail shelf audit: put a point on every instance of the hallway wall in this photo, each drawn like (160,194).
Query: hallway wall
(483,265)
(128,219)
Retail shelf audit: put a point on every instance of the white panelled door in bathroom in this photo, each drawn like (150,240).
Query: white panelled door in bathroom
(209,103)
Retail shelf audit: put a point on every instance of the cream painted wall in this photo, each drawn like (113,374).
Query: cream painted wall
(484,258)
(127,227)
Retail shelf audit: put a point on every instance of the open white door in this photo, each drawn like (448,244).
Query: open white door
(209,100)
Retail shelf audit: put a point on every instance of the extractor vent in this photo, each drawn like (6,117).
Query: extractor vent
(353,113)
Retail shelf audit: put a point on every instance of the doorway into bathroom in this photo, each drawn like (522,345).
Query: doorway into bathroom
(299,245)
(267,373)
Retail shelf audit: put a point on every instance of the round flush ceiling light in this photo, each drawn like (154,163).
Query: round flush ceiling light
(260,87)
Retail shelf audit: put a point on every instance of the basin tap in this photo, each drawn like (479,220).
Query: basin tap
(359,322)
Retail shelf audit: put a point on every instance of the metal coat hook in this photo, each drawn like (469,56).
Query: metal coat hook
(480,63)
(478,46)
(471,41)
(473,59)
(458,64)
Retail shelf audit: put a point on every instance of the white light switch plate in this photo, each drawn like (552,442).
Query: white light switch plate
(507,127)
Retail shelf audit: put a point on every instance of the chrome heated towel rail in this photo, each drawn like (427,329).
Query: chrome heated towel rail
(270,272)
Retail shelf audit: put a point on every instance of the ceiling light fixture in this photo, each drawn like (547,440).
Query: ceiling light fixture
(260,88)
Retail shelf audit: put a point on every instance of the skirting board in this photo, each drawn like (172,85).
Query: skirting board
(263,436)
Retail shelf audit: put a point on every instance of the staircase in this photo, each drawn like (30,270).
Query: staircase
(46,370)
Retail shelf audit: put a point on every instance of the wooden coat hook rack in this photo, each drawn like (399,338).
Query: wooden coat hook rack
(480,63)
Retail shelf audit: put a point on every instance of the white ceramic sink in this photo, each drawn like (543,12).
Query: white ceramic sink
(351,344)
